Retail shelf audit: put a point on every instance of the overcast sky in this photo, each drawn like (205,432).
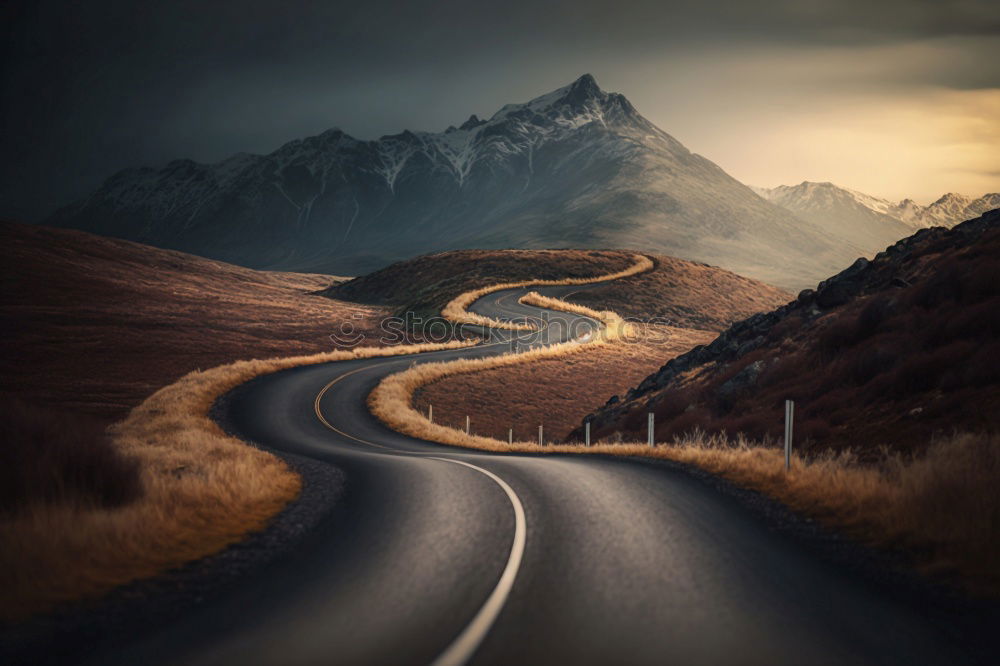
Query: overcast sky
(895,98)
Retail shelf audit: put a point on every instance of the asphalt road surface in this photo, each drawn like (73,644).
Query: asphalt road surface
(447,555)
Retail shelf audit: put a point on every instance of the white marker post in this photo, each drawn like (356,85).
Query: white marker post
(649,429)
(430,413)
(586,433)
(466,425)
(789,417)
(510,436)
(541,442)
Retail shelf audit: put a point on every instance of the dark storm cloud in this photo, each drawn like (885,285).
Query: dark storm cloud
(91,87)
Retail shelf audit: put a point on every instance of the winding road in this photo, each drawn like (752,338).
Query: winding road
(443,555)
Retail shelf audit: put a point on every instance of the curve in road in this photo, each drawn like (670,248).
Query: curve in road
(451,555)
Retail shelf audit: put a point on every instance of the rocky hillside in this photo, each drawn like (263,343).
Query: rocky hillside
(577,167)
(890,352)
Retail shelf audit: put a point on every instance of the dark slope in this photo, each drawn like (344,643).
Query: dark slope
(891,351)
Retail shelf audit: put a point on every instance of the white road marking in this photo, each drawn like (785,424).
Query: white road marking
(467,642)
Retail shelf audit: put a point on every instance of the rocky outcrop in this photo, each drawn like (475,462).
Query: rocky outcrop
(891,269)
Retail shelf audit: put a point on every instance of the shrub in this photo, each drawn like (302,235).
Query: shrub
(871,317)
(837,335)
(785,328)
(686,422)
(868,362)
(981,320)
(812,430)
(755,426)
(783,369)
(983,369)
(922,372)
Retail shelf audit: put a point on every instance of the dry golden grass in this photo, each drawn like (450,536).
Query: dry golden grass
(202,491)
(456,309)
(392,399)
(941,508)
(536,299)
(685,294)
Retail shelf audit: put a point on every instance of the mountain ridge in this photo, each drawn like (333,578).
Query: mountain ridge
(576,167)
(828,203)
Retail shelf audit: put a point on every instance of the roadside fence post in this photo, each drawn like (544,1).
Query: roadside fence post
(510,436)
(541,442)
(586,433)
(789,417)
(649,429)
(466,425)
(430,413)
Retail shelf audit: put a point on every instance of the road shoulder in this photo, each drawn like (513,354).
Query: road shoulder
(84,630)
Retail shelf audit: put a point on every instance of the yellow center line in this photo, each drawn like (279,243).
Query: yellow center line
(319,398)
(467,641)
(319,410)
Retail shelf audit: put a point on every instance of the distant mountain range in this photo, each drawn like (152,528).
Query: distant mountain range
(577,167)
(836,207)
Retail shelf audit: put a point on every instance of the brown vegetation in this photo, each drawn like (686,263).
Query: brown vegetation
(939,505)
(426,284)
(94,325)
(201,491)
(392,400)
(940,509)
(545,391)
(553,392)
(49,457)
(684,294)
(907,360)
(456,311)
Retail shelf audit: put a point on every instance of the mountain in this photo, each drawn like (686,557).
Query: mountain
(953,208)
(892,351)
(863,214)
(848,213)
(577,167)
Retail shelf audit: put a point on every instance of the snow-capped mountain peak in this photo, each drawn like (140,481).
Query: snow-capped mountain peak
(835,204)
(576,167)
(472,123)
(820,195)
(572,106)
